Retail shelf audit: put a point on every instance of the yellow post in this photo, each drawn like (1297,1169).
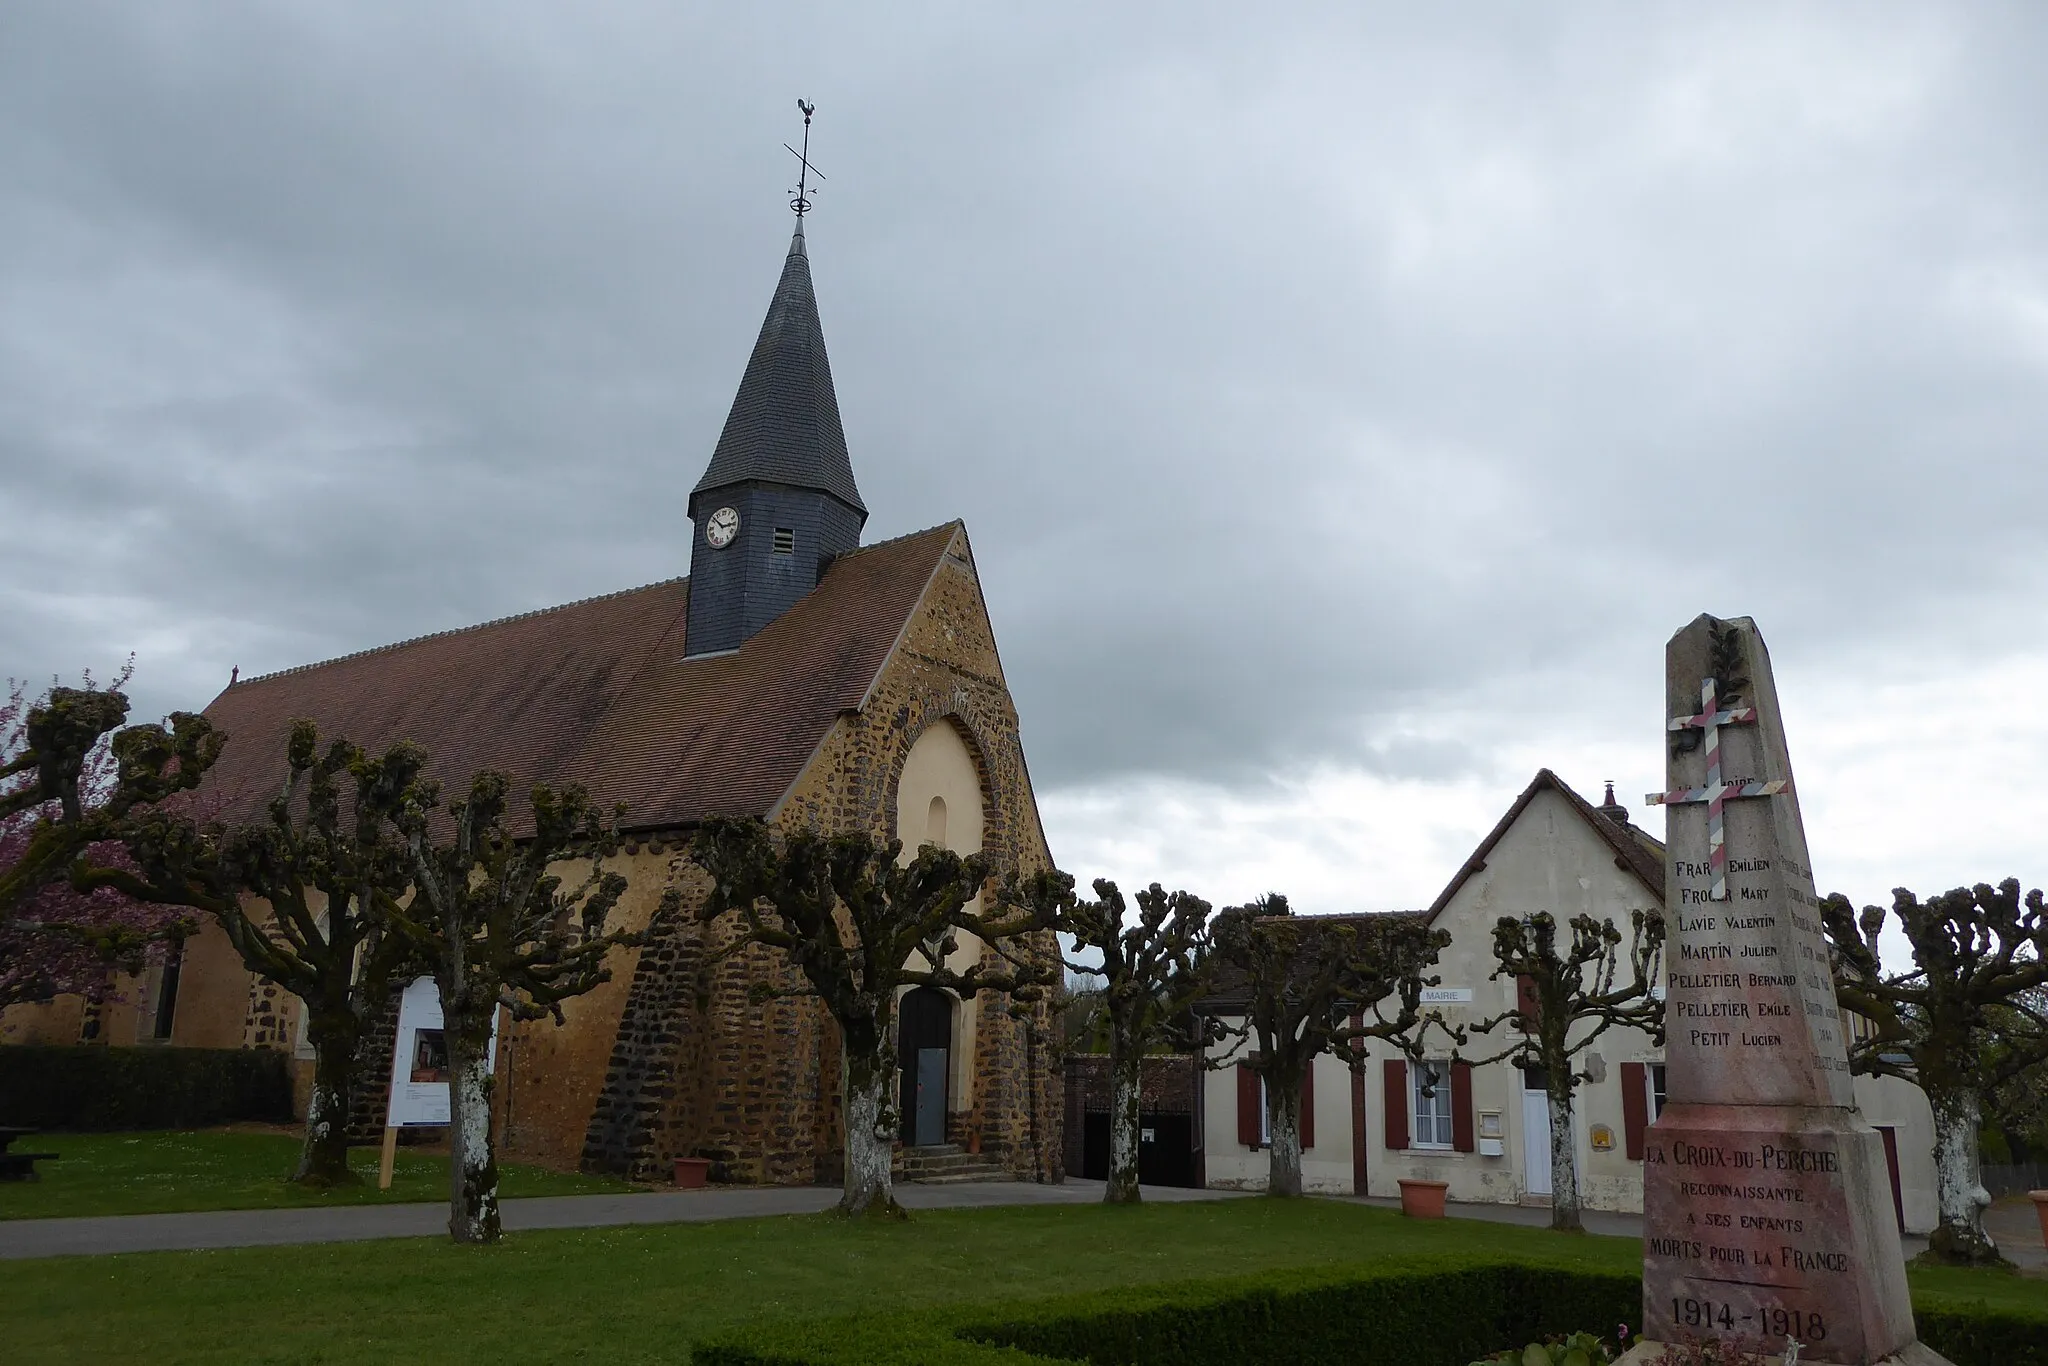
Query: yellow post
(390,1156)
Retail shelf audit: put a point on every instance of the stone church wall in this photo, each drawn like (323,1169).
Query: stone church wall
(549,1075)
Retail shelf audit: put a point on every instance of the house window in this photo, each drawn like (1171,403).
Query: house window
(1431,1104)
(167,992)
(785,540)
(1656,1071)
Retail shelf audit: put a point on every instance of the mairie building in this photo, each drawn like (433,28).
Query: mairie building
(794,674)
(1485,1130)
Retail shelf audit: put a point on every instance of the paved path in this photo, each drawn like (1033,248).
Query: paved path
(2016,1229)
(355,1223)
(2012,1222)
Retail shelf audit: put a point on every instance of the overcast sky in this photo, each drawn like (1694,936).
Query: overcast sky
(1345,402)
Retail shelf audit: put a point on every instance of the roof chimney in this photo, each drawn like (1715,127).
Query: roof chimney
(1613,809)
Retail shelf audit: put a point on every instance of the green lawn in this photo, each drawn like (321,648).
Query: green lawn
(156,1173)
(645,1294)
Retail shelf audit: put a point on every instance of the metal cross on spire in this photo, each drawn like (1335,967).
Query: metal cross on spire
(801,200)
(1716,793)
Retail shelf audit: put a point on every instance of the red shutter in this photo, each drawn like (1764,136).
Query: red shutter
(1308,1106)
(1527,1002)
(1890,1136)
(1249,1098)
(1358,1172)
(1635,1107)
(1396,1076)
(1461,1107)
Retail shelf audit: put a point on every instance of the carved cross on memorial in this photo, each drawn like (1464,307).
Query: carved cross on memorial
(1767,1215)
(1714,792)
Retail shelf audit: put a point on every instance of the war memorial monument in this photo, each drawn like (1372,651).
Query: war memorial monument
(1767,1214)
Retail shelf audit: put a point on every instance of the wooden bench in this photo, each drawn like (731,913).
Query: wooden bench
(22,1166)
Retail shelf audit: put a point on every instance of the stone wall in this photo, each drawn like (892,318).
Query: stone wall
(1166,1083)
(371,1101)
(550,1076)
(651,1103)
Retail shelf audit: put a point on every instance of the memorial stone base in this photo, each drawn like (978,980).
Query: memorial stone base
(1916,1354)
(1765,1223)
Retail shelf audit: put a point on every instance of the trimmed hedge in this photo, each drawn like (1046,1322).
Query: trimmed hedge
(1423,1317)
(1423,1312)
(1973,1334)
(1415,1313)
(93,1088)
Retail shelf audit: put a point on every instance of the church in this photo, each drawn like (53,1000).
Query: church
(795,675)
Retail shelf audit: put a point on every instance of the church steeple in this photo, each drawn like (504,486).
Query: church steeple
(778,500)
(784,423)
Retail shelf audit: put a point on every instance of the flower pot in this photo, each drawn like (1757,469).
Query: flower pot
(974,1140)
(692,1173)
(1423,1199)
(2040,1199)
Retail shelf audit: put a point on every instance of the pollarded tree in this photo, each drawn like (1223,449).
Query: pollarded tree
(71,779)
(859,925)
(498,928)
(1966,1020)
(1154,969)
(2019,1107)
(1312,985)
(1567,997)
(329,872)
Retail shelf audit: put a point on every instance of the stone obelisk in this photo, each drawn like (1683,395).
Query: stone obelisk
(1766,1200)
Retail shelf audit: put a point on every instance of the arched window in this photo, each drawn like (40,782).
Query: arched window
(935,823)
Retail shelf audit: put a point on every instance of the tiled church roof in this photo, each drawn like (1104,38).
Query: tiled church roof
(599,692)
(784,424)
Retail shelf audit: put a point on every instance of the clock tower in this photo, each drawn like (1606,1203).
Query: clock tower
(778,500)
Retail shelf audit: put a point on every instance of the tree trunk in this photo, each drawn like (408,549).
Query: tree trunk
(1959,1238)
(1564,1156)
(1125,1099)
(1283,1134)
(869,1076)
(472,1166)
(323,1158)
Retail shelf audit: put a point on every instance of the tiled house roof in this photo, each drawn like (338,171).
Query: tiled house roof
(599,692)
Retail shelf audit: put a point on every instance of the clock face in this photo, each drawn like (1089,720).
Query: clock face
(723,526)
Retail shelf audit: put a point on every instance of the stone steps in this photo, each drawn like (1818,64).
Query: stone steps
(946,1164)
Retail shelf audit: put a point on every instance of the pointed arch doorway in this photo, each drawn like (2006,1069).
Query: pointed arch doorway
(924,1047)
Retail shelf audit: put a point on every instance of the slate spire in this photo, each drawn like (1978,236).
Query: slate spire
(784,424)
(778,500)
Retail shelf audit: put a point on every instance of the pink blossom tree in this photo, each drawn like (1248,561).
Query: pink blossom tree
(304,894)
(70,774)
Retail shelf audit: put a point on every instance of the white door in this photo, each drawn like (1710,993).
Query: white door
(1535,1132)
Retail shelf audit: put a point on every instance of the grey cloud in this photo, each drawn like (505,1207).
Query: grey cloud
(1293,371)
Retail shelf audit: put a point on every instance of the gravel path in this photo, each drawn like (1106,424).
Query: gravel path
(354,1223)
